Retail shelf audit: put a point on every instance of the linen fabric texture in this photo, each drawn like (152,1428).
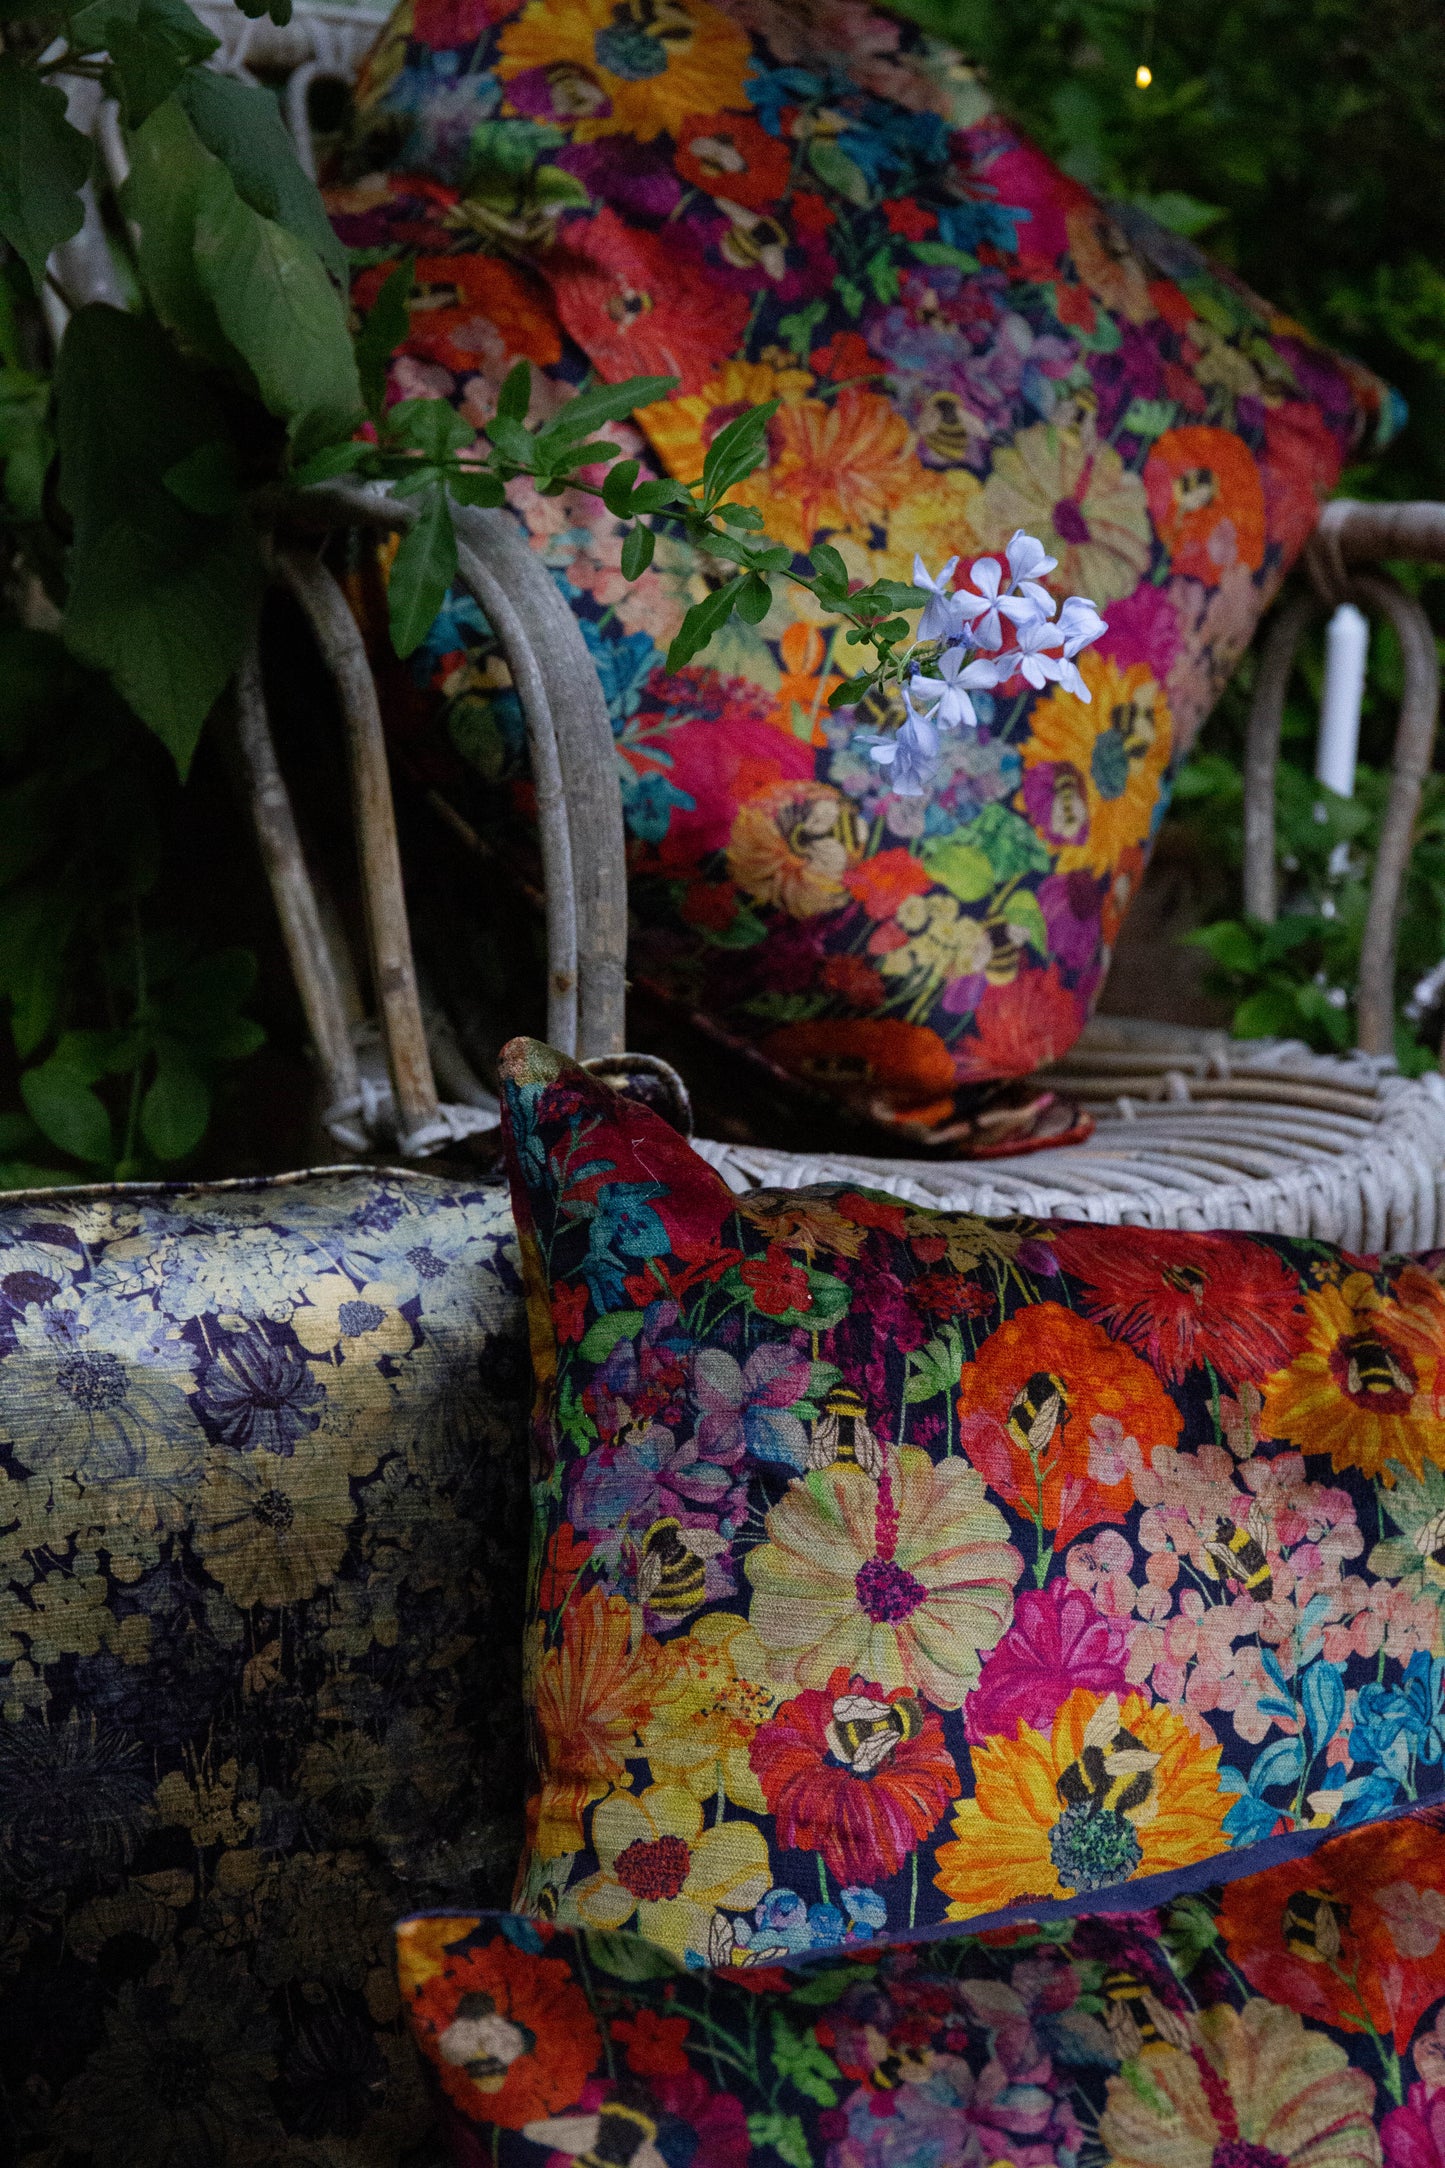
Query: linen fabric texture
(1288,2019)
(262,1542)
(818,205)
(893,1567)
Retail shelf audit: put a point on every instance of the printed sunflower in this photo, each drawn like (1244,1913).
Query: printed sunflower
(1116,1789)
(1117,743)
(1367,1386)
(611,69)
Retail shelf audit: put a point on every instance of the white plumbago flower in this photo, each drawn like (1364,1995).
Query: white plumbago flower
(942,618)
(1068,675)
(987,631)
(948,693)
(1032,661)
(1027,559)
(911,755)
(1080,624)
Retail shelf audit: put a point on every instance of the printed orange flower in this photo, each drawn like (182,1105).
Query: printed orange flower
(610,69)
(1250,2088)
(1107,265)
(509,2034)
(856,1774)
(791,845)
(882,882)
(1019,1028)
(835,466)
(1118,742)
(1116,1789)
(712,1694)
(1368,1386)
(1047,1408)
(904,1580)
(680,429)
(730,155)
(629,299)
(1181,1300)
(1082,502)
(1354,1935)
(1207,502)
(895,1071)
(590,1695)
(461,305)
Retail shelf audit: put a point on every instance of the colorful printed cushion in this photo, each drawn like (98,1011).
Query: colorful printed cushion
(815,204)
(1287,2020)
(895,1567)
(261,1529)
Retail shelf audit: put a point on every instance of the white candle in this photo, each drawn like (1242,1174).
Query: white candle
(1347,644)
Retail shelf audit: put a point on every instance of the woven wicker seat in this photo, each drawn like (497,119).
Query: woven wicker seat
(1193,1129)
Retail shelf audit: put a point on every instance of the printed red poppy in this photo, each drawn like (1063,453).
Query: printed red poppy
(1182,1300)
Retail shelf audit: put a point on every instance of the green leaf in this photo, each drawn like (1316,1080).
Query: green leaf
(786,2136)
(513,440)
(160,597)
(242,126)
(43,161)
(934,1368)
(606,403)
(388,321)
(177,1105)
(798,2057)
(62,1104)
(835,169)
(617,488)
(423,569)
(960,867)
(1272,1013)
(169,166)
(331,460)
(1180,213)
(151,45)
(828,564)
(735,451)
(822,1987)
(429,426)
(1023,913)
(25,441)
(515,396)
(637,551)
(652,496)
(278,307)
(797,330)
(630,1957)
(1012,845)
(476,485)
(939,252)
(603,1334)
(701,622)
(206,479)
(755,599)
(1230,943)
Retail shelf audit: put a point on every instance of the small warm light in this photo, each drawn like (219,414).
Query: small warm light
(1143,75)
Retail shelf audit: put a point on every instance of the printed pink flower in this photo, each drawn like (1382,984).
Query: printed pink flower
(1057,1641)
(1414,2136)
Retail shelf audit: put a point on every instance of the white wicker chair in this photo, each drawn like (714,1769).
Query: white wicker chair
(1194,1129)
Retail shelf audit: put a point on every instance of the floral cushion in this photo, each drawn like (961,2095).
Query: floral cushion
(1287,2020)
(815,204)
(260,1537)
(895,1567)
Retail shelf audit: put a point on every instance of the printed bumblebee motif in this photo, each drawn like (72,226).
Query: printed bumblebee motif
(843,1434)
(621,2134)
(672,1578)
(483,2042)
(1238,1553)
(1114,1773)
(1429,1541)
(1135,2015)
(864,1732)
(1314,1925)
(1039,1408)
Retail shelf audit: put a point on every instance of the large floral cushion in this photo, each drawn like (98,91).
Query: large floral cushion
(1292,2019)
(261,1547)
(895,1567)
(814,204)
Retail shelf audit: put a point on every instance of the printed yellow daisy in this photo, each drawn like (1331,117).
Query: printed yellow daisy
(1367,1386)
(1117,1789)
(624,67)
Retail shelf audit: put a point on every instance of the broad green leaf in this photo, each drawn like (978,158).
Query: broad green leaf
(827,562)
(476,485)
(388,321)
(43,161)
(604,1333)
(25,442)
(837,170)
(630,1957)
(755,599)
(1230,943)
(177,1104)
(160,597)
(637,552)
(617,488)
(515,396)
(169,167)
(206,480)
(652,496)
(279,309)
(960,867)
(513,441)
(701,622)
(423,569)
(242,126)
(205,996)
(62,1104)
(151,47)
